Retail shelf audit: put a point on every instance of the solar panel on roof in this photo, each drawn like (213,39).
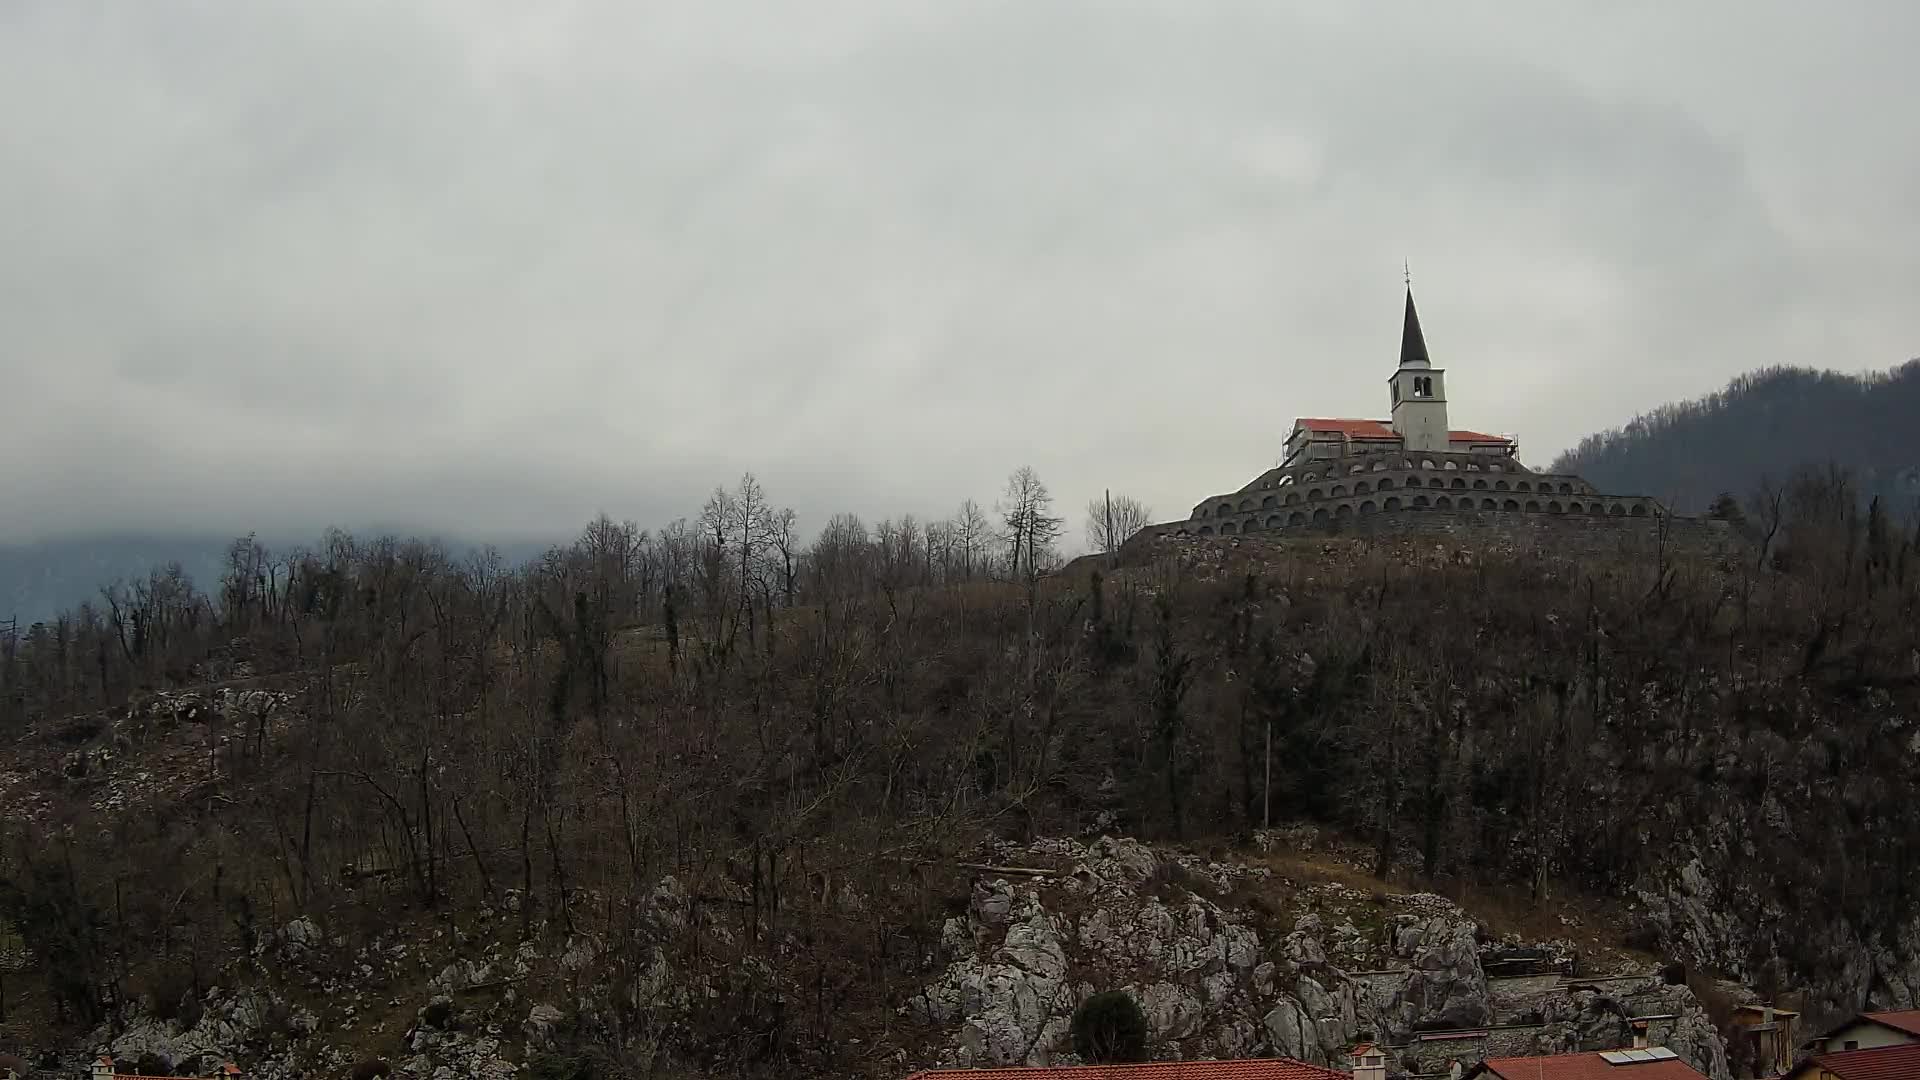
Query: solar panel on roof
(1636,1057)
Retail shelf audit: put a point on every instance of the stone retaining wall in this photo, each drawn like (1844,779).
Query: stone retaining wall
(1586,537)
(1562,534)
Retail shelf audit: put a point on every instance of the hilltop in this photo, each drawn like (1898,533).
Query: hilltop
(1761,428)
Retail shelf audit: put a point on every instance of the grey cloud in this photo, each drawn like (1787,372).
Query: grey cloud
(494,268)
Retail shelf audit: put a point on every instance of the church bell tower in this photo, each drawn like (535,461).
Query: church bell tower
(1419,391)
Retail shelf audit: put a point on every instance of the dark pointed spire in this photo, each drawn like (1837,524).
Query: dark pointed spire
(1413,344)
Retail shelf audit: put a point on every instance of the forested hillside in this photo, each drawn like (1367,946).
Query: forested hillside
(1760,428)
(714,775)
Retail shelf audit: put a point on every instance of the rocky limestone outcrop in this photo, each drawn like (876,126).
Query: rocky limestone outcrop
(228,1022)
(1201,973)
(1447,987)
(1210,985)
(1009,992)
(1705,911)
(1217,969)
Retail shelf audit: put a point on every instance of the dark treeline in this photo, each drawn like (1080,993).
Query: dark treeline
(768,724)
(1765,424)
(40,579)
(711,584)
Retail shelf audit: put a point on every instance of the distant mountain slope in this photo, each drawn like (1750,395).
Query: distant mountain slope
(1765,424)
(42,579)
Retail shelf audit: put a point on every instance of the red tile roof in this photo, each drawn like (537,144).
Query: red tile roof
(1250,1069)
(1907,1020)
(1590,1066)
(1881,1063)
(1352,429)
(1381,429)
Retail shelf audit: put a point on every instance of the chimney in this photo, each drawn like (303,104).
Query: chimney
(103,1068)
(1369,1062)
(1640,1035)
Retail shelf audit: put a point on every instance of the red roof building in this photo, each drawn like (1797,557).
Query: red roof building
(1868,1031)
(1907,1020)
(1900,1062)
(1249,1069)
(1659,1064)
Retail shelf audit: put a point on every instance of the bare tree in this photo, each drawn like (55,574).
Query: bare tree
(1028,525)
(899,547)
(1113,519)
(841,556)
(1768,509)
(784,538)
(940,551)
(243,586)
(971,534)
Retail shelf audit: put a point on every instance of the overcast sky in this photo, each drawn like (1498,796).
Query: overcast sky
(491,268)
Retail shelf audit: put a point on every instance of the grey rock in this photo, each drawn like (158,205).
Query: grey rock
(1263,979)
(541,1020)
(1236,1039)
(1291,1033)
(1171,1012)
(1122,861)
(1008,1005)
(1447,987)
(1034,945)
(1303,946)
(992,903)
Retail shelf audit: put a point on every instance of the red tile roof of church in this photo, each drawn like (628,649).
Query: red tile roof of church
(1382,429)
(1353,429)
